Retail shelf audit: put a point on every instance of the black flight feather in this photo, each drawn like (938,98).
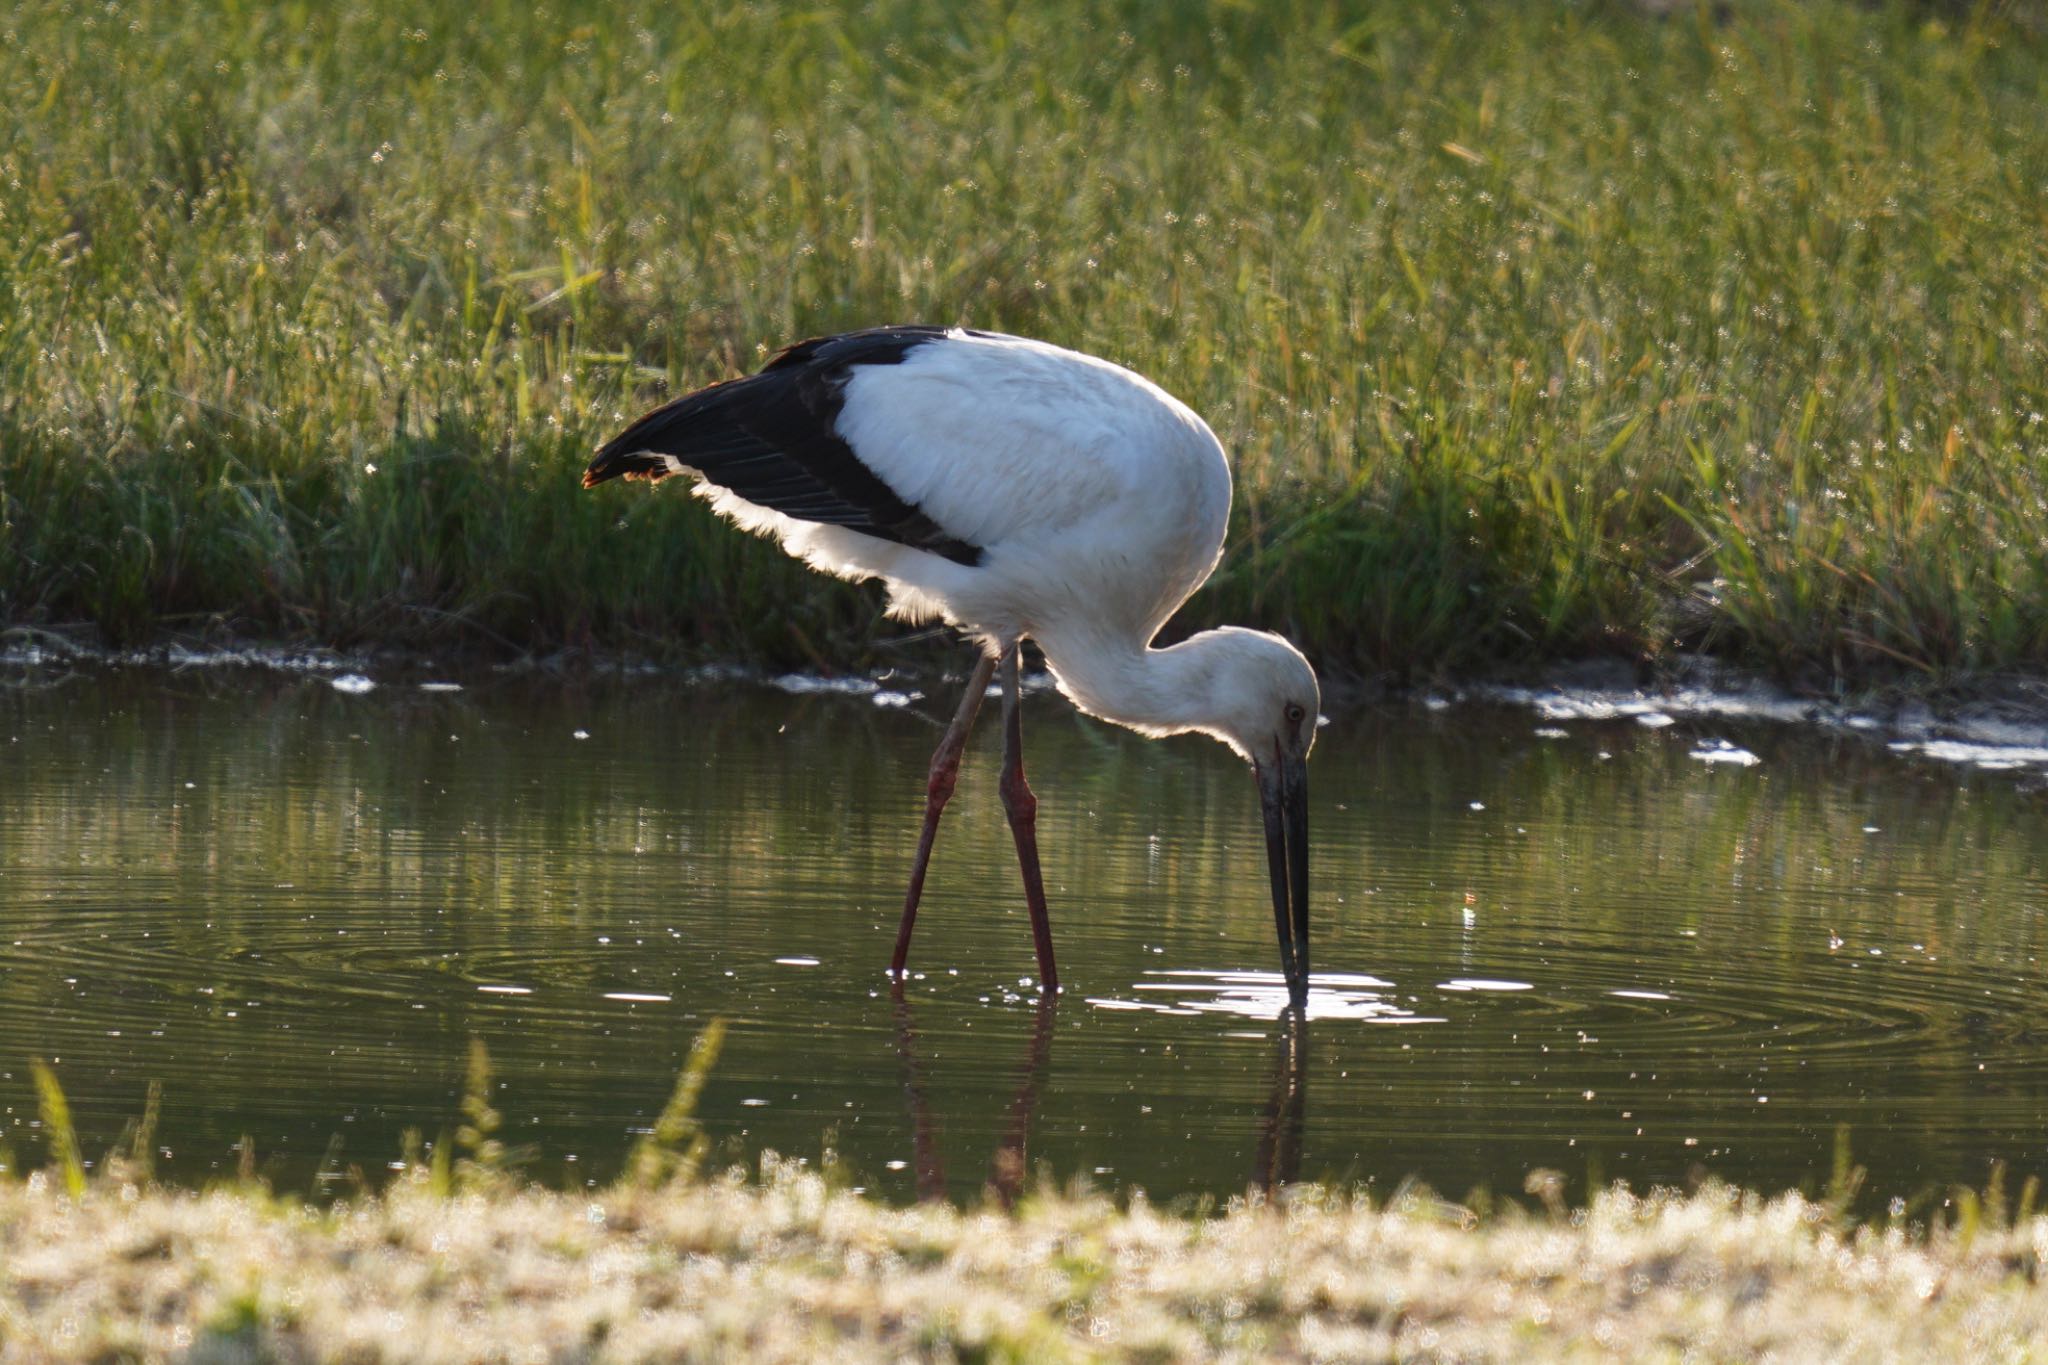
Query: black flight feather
(772,438)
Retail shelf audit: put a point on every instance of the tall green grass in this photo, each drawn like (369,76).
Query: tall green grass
(1535,329)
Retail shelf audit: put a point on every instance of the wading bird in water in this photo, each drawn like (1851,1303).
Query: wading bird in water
(1012,489)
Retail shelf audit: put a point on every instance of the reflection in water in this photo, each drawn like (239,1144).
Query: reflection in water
(928,1162)
(1009,1162)
(1278,1159)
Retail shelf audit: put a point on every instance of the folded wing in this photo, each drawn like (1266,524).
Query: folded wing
(773,440)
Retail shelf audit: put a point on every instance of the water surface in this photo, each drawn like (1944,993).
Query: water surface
(1585,946)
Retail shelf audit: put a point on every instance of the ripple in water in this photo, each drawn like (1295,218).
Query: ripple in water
(294,907)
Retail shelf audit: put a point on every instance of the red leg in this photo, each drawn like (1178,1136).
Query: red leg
(1022,808)
(945,771)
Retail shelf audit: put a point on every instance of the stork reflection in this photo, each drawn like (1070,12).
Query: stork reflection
(1277,1160)
(1009,1162)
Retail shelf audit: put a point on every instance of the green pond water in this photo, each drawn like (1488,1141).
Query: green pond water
(1571,945)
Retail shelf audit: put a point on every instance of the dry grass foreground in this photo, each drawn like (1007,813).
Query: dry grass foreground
(792,1269)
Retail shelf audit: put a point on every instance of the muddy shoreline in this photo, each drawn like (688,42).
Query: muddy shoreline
(1991,723)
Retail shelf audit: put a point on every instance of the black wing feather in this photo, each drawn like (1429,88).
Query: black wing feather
(773,439)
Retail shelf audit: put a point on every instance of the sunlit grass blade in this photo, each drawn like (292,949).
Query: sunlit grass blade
(58,1131)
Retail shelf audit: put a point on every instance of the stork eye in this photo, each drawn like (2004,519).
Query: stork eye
(1295,713)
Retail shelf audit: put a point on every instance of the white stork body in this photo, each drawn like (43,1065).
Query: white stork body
(1012,489)
(1096,495)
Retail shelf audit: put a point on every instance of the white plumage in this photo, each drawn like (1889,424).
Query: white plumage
(1013,489)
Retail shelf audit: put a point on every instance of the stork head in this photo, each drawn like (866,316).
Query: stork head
(1262,695)
(1265,699)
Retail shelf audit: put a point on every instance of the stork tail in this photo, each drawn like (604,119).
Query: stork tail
(639,464)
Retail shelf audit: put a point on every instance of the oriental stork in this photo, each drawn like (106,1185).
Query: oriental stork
(1012,489)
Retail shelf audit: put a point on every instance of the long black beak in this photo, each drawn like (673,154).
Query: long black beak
(1283,800)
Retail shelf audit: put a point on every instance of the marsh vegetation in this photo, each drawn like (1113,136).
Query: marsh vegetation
(1536,330)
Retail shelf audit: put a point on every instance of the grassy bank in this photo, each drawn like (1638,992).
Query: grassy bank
(1536,329)
(791,1269)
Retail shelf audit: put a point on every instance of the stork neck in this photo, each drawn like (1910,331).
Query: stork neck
(1155,691)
